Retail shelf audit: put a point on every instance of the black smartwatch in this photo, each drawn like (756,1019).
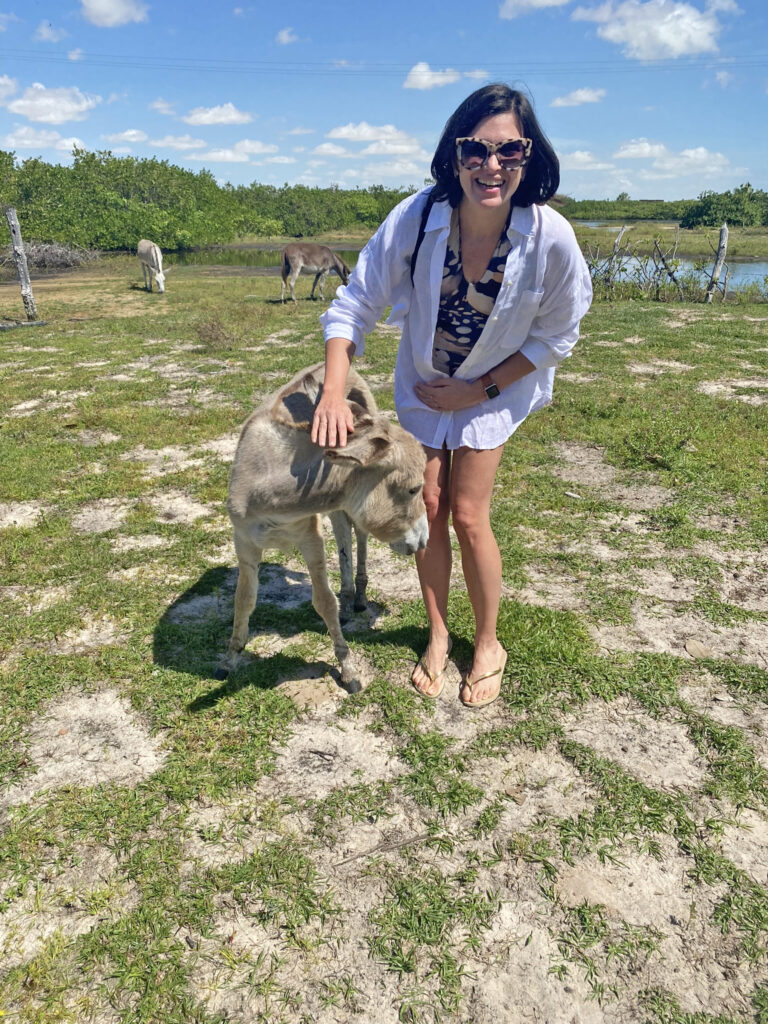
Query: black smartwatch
(491,388)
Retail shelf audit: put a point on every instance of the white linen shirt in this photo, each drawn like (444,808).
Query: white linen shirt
(545,292)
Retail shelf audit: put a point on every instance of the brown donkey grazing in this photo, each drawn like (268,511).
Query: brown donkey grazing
(318,258)
(281,483)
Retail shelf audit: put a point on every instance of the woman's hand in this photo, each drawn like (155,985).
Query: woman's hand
(332,422)
(450,394)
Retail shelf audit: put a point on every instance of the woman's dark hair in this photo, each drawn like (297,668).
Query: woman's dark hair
(542,173)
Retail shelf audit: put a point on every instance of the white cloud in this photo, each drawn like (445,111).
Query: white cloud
(180,142)
(658,29)
(53,106)
(724,78)
(130,135)
(76,54)
(5,20)
(7,87)
(364,132)
(161,106)
(301,131)
(583,160)
(663,163)
(391,147)
(240,153)
(395,169)
(112,13)
(479,74)
(330,149)
(226,113)
(511,8)
(37,139)
(640,149)
(421,76)
(280,160)
(578,97)
(286,36)
(46,33)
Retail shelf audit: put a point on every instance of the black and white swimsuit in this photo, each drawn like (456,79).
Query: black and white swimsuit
(464,305)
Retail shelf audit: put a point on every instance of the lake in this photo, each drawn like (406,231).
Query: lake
(741,272)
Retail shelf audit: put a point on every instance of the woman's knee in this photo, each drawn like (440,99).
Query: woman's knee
(469,518)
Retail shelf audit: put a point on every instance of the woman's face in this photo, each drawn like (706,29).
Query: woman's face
(489,186)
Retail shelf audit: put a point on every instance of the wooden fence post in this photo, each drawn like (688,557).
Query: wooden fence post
(722,247)
(21,263)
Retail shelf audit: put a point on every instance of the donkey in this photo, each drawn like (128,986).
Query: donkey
(281,483)
(151,260)
(314,257)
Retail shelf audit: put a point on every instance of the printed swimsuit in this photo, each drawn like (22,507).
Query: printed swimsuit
(464,305)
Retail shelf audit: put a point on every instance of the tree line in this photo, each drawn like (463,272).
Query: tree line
(108,202)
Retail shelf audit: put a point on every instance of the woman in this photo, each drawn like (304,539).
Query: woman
(489,307)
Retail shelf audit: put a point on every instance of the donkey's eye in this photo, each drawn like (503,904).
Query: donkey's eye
(415,490)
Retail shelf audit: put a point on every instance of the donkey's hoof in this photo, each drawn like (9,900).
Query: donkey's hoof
(221,673)
(355,686)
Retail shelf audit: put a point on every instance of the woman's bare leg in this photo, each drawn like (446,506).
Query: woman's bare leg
(434,568)
(471,486)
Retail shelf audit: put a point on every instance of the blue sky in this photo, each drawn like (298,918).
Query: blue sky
(657,98)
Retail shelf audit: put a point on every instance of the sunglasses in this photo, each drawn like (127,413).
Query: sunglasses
(511,154)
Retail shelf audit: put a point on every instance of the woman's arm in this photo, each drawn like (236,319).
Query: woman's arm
(333,417)
(452,393)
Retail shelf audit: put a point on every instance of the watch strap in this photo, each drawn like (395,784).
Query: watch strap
(490,385)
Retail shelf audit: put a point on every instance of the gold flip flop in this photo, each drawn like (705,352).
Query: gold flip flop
(488,675)
(433,677)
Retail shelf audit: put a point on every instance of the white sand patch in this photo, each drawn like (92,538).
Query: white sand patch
(634,339)
(697,963)
(21,513)
(102,515)
(59,902)
(224,447)
(660,583)
(719,522)
(323,755)
(659,366)
(729,389)
(540,784)
(746,844)
(48,402)
(95,438)
(177,507)
(93,634)
(183,399)
(83,740)
(144,542)
(584,464)
(547,588)
(36,599)
(666,630)
(161,461)
(656,751)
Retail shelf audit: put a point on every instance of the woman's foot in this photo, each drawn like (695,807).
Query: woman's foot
(483,683)
(429,675)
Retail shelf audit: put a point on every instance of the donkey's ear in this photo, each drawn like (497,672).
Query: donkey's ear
(364,450)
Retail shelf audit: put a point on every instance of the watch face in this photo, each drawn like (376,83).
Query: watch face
(492,390)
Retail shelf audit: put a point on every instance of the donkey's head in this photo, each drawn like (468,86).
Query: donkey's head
(342,270)
(383,495)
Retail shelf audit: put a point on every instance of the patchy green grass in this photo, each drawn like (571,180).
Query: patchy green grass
(179,848)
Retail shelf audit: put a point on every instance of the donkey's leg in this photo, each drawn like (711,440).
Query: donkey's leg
(322,275)
(361,576)
(147,287)
(342,531)
(282,290)
(248,560)
(292,281)
(310,543)
(318,276)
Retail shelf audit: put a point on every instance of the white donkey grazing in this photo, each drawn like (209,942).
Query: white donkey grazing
(281,483)
(314,257)
(151,260)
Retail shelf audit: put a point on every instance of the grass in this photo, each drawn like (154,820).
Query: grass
(428,869)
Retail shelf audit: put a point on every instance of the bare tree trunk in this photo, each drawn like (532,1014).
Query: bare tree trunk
(722,247)
(21,263)
(668,269)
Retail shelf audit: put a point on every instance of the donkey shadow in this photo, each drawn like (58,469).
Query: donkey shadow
(193,633)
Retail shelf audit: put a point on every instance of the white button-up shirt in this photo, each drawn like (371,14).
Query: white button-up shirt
(545,292)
